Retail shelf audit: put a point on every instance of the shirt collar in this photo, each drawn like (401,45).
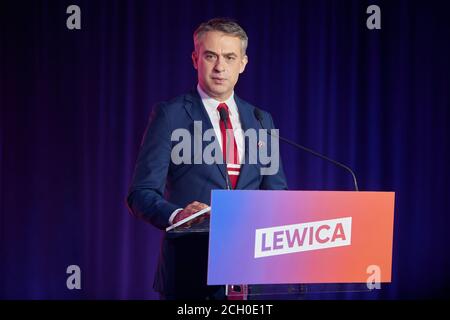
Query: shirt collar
(213,103)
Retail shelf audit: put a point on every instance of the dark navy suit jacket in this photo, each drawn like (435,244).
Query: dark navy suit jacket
(159,186)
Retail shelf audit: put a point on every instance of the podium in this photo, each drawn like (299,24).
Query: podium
(292,241)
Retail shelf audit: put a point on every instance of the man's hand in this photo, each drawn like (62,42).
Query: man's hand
(190,210)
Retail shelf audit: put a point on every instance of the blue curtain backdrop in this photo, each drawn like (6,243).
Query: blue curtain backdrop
(74,106)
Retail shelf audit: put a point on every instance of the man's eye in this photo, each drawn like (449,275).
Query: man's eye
(231,58)
(209,56)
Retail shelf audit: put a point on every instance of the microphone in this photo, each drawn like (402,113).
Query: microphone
(223,117)
(259,116)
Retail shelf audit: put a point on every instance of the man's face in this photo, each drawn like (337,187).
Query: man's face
(218,60)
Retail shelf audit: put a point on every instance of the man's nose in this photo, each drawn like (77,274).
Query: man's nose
(220,65)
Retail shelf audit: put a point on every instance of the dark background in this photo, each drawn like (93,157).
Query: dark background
(74,106)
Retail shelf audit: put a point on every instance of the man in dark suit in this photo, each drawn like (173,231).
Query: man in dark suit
(164,192)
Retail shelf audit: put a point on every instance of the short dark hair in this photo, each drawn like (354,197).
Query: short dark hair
(225,25)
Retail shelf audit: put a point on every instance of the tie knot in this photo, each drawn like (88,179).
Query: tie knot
(222,106)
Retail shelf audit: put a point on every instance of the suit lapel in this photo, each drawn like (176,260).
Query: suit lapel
(247,121)
(196,110)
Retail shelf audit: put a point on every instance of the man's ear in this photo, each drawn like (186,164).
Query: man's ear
(243,63)
(194,59)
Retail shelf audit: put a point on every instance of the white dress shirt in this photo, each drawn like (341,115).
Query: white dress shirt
(211,104)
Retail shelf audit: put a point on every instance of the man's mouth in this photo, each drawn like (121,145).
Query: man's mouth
(218,80)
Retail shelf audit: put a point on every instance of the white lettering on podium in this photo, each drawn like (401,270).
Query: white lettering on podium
(303,237)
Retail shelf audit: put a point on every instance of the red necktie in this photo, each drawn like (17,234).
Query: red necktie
(231,158)
(229,148)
